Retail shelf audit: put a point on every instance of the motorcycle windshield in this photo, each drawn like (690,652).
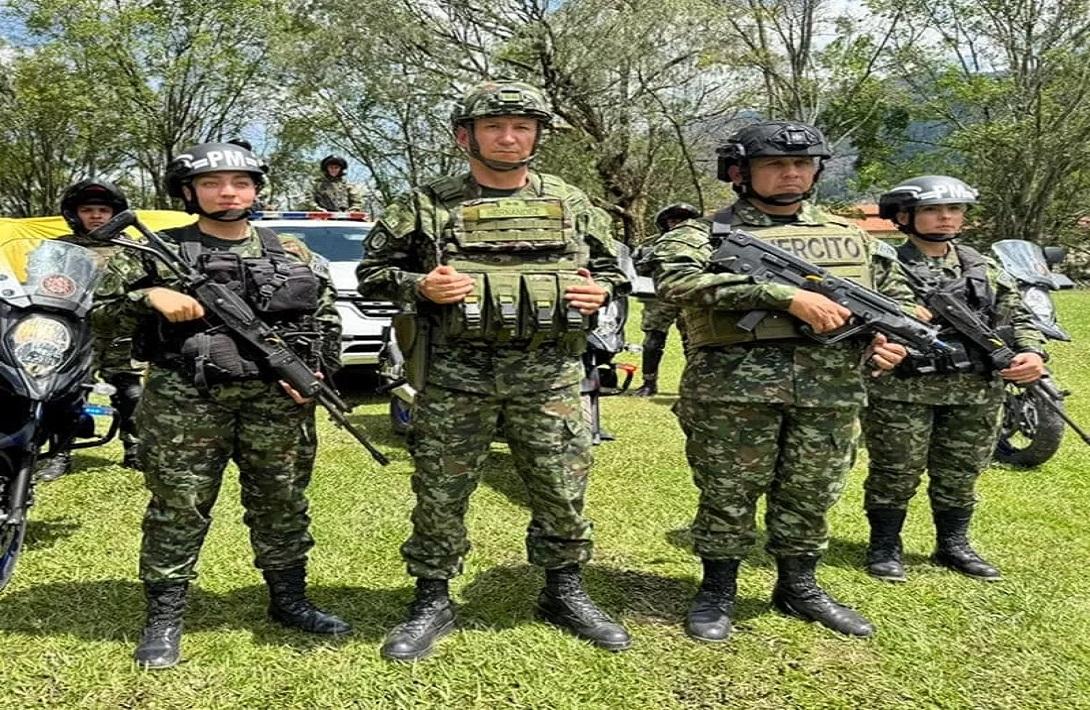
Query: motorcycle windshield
(1025,261)
(47,272)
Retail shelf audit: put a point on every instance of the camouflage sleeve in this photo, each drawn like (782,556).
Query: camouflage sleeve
(355,198)
(889,277)
(327,315)
(603,264)
(679,260)
(1013,311)
(391,266)
(120,305)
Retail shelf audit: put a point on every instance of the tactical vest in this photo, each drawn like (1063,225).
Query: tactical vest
(972,288)
(282,291)
(836,246)
(522,252)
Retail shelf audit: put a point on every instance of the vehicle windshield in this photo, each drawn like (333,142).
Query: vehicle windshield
(336,242)
(47,272)
(1023,260)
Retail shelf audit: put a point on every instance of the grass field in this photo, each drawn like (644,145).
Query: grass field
(69,619)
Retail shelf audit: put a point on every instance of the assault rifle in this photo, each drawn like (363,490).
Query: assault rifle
(744,254)
(957,314)
(249,331)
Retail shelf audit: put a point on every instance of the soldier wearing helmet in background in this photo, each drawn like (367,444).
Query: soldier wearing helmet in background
(332,191)
(206,403)
(941,414)
(658,315)
(85,206)
(504,268)
(769,411)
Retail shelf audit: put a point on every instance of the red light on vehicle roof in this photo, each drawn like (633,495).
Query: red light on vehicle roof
(293,214)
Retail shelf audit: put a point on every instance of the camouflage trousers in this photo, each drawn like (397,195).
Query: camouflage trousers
(953,443)
(659,315)
(186,442)
(551,448)
(796,456)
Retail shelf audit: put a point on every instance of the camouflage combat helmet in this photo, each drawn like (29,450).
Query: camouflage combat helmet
(676,212)
(771,139)
(920,192)
(501,98)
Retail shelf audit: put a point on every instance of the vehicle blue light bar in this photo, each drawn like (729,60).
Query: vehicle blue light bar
(352,216)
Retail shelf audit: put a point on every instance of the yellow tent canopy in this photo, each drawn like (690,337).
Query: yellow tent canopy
(50,227)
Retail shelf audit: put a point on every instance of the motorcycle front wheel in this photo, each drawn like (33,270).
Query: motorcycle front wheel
(11,534)
(1031,432)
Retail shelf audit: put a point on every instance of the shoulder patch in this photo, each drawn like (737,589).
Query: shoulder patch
(885,250)
(296,248)
(320,266)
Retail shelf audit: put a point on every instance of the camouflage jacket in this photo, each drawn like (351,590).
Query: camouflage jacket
(790,373)
(336,195)
(967,388)
(404,246)
(122,291)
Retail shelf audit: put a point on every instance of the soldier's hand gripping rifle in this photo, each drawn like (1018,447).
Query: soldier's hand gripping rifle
(961,318)
(249,331)
(747,255)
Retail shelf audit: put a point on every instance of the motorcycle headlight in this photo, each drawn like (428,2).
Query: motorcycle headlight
(39,344)
(1038,301)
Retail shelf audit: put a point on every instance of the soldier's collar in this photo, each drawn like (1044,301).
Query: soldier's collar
(473,188)
(751,214)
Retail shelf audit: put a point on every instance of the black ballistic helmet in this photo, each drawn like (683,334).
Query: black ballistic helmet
(90,192)
(205,158)
(333,160)
(676,212)
(771,139)
(920,192)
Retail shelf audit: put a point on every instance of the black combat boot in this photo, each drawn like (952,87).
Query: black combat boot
(565,603)
(131,457)
(884,551)
(161,642)
(952,545)
(431,617)
(797,594)
(649,388)
(709,614)
(55,466)
(288,603)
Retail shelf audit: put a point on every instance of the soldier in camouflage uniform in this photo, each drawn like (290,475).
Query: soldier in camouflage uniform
(85,206)
(332,192)
(769,411)
(941,414)
(504,268)
(206,402)
(658,315)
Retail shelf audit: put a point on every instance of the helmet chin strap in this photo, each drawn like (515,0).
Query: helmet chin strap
(192,206)
(502,166)
(933,238)
(783,199)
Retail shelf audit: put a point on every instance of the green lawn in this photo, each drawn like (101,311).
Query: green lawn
(70,617)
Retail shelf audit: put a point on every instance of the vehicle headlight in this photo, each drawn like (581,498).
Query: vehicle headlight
(1038,301)
(39,344)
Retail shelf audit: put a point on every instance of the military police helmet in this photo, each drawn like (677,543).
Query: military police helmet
(90,192)
(677,212)
(925,190)
(333,160)
(205,158)
(502,98)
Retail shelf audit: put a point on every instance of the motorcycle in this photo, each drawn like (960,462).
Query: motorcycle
(46,288)
(602,377)
(1032,430)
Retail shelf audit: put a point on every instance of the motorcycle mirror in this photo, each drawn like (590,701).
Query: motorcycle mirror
(113,228)
(1055,255)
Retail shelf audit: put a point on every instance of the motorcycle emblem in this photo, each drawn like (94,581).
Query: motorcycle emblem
(58,285)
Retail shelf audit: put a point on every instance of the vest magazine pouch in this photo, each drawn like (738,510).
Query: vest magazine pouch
(213,357)
(571,318)
(468,320)
(281,286)
(224,267)
(540,297)
(504,299)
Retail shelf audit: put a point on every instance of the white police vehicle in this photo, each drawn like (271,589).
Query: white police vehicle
(339,237)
